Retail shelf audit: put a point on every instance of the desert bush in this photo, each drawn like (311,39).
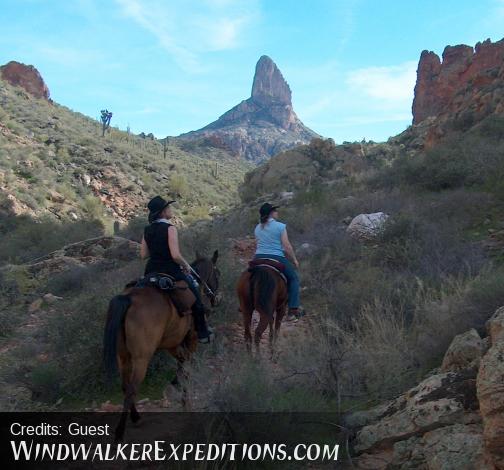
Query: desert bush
(24,238)
(178,185)
(474,159)
(383,351)
(134,228)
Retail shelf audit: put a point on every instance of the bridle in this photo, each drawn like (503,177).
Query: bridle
(209,293)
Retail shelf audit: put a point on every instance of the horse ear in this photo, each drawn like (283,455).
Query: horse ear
(215,256)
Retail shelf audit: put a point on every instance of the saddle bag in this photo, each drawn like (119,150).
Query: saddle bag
(181,296)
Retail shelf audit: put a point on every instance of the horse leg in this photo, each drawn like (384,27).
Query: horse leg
(278,319)
(181,354)
(124,361)
(261,327)
(247,334)
(138,370)
(272,338)
(275,330)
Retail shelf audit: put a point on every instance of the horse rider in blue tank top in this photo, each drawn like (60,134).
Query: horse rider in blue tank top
(273,242)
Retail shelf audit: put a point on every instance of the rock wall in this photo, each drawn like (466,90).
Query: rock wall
(466,80)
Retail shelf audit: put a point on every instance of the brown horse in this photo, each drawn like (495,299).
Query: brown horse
(141,321)
(262,289)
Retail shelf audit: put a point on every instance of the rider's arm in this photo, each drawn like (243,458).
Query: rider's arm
(173,244)
(144,249)
(289,251)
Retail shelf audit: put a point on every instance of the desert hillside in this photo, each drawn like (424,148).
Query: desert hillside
(55,162)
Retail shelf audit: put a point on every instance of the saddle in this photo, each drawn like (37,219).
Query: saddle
(181,296)
(269,263)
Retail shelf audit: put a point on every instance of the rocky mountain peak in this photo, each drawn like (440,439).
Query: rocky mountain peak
(25,76)
(269,84)
(262,125)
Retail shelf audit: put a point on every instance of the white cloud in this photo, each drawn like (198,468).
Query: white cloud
(391,84)
(186,29)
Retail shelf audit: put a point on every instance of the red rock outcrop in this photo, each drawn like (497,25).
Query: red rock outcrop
(467,84)
(25,76)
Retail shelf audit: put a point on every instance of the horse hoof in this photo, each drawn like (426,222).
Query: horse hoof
(135,417)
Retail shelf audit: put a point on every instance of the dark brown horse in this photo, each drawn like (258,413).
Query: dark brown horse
(262,289)
(209,275)
(141,321)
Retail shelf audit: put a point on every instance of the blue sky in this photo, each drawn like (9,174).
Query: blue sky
(167,66)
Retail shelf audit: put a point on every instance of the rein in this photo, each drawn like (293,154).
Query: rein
(208,292)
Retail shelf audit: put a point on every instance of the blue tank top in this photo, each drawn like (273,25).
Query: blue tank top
(269,240)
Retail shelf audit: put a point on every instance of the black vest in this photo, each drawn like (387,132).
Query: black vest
(160,260)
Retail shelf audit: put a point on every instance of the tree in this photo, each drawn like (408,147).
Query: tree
(105,118)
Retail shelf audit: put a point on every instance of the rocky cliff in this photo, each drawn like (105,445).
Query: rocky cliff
(453,419)
(465,86)
(25,76)
(262,125)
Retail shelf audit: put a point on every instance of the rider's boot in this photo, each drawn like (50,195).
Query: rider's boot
(205,334)
(295,313)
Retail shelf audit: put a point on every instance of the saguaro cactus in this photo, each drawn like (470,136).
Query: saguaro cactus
(165,147)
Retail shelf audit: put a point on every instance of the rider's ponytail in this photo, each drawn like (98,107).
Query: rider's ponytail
(264,220)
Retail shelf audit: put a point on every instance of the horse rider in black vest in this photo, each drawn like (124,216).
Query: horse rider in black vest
(160,245)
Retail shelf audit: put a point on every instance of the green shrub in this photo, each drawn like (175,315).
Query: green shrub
(44,381)
(24,238)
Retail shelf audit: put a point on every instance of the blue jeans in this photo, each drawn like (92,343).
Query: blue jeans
(292,278)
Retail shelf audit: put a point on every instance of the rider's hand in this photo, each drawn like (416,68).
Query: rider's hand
(296,263)
(186,269)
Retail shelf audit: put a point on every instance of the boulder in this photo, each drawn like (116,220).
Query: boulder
(35,305)
(51,298)
(438,401)
(495,326)
(306,250)
(54,196)
(286,196)
(367,226)
(466,350)
(456,447)
(490,391)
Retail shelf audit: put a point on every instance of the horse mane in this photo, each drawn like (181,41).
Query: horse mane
(262,284)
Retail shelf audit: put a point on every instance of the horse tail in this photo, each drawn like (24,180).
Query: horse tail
(116,314)
(262,286)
